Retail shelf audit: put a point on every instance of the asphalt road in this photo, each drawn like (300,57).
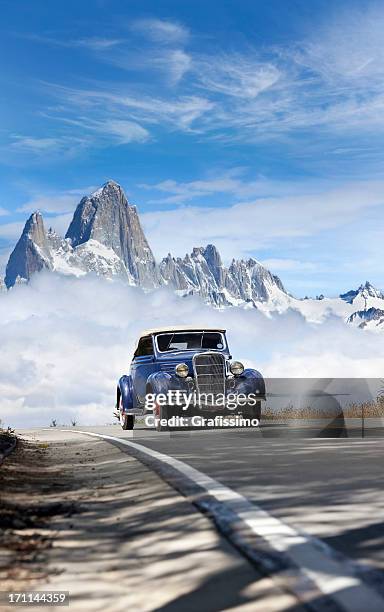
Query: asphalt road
(331,488)
(317,501)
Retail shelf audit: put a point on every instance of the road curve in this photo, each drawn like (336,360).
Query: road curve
(305,510)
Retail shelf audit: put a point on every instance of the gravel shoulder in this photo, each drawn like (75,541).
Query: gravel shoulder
(79,515)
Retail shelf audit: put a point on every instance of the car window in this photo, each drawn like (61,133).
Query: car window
(212,341)
(145,347)
(189,341)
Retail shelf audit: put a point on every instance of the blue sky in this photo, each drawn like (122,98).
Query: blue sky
(254,125)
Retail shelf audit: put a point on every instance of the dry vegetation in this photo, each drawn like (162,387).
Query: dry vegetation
(374,409)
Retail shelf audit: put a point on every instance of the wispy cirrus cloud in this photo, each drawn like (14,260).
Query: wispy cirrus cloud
(177,63)
(161,30)
(91,43)
(125,131)
(54,201)
(328,84)
(34,144)
(96,44)
(233,182)
(346,49)
(38,148)
(236,74)
(107,103)
(96,132)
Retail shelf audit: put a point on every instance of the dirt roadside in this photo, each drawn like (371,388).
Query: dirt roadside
(79,515)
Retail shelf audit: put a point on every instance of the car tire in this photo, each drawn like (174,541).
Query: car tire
(253,412)
(163,414)
(127,421)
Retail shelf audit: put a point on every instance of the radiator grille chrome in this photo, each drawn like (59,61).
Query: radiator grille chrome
(209,370)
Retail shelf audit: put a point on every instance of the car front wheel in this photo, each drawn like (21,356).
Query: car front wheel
(127,421)
(253,412)
(162,414)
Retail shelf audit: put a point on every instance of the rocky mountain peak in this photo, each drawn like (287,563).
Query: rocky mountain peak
(34,228)
(215,264)
(105,237)
(31,253)
(204,273)
(369,290)
(365,291)
(90,220)
(106,217)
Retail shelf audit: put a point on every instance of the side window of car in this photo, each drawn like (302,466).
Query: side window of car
(144,347)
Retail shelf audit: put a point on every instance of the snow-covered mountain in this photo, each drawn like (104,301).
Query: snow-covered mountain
(105,237)
(203,273)
(368,307)
(360,307)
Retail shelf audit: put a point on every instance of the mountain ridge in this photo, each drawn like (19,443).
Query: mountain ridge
(105,237)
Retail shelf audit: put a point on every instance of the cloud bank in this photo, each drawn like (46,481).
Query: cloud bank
(65,342)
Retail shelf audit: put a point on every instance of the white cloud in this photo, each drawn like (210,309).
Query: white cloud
(254,225)
(11,231)
(125,131)
(59,223)
(54,202)
(4,256)
(329,83)
(177,63)
(92,43)
(237,75)
(217,183)
(324,92)
(35,144)
(95,130)
(161,30)
(348,48)
(66,341)
(281,265)
(110,104)
(28,147)
(95,44)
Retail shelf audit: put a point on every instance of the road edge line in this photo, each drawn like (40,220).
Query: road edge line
(332,580)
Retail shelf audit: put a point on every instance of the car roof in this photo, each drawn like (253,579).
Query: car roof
(180,328)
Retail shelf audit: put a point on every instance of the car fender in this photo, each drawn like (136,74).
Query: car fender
(162,382)
(125,391)
(251,381)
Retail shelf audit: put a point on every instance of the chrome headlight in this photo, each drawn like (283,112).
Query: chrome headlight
(236,368)
(182,370)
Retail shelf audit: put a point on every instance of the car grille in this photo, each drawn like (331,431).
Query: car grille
(209,369)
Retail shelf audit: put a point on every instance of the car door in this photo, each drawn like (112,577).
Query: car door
(143,364)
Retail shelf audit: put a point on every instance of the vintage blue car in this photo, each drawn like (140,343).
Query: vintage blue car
(187,362)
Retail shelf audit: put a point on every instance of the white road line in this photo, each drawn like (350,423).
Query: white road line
(312,557)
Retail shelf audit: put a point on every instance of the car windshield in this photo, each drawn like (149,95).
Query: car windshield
(187,341)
